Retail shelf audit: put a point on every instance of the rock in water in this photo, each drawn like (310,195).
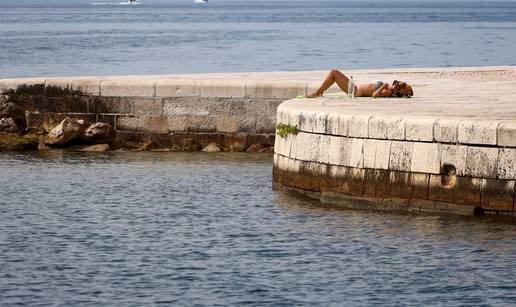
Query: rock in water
(68,130)
(17,143)
(96,148)
(212,147)
(99,133)
(7,125)
(10,110)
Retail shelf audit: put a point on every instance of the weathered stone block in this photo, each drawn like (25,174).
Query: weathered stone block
(118,105)
(335,150)
(107,119)
(439,191)
(419,184)
(378,127)
(356,158)
(369,152)
(311,175)
(178,88)
(227,124)
(346,147)
(305,146)
(426,158)
(481,162)
(400,185)
(276,89)
(506,168)
(187,106)
(324,149)
(354,183)
(282,145)
(337,124)
(382,155)
(369,183)
(147,106)
(401,156)
(313,122)
(376,183)
(358,126)
(454,155)
(477,132)
(337,174)
(497,194)
(445,130)
(396,128)
(273,105)
(142,123)
(265,124)
(223,88)
(507,134)
(127,87)
(467,191)
(419,129)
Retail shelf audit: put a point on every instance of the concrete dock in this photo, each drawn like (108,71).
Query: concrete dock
(450,148)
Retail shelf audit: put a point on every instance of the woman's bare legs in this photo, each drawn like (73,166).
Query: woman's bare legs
(334,76)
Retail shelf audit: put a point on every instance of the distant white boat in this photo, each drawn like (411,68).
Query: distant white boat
(200,1)
(133,2)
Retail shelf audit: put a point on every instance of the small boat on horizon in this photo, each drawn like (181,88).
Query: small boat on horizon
(200,1)
(131,2)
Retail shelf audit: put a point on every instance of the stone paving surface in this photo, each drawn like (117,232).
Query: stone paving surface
(470,93)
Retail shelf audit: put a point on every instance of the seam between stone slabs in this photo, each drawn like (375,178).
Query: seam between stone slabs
(427,142)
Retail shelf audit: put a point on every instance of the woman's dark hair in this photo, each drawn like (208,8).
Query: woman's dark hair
(402,89)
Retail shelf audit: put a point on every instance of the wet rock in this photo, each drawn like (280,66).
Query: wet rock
(267,149)
(10,110)
(96,148)
(236,142)
(211,148)
(148,146)
(7,125)
(255,147)
(17,143)
(68,130)
(35,132)
(190,144)
(99,133)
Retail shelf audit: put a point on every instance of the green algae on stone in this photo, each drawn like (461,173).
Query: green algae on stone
(284,130)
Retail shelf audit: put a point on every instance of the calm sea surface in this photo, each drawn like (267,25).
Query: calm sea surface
(130,228)
(107,37)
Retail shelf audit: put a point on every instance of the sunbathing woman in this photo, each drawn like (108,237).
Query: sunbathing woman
(378,89)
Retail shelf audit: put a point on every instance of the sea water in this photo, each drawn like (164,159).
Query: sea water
(92,37)
(181,229)
(193,229)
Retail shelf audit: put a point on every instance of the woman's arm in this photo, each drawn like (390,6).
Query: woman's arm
(383,91)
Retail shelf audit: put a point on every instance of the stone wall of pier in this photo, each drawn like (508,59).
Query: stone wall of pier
(399,162)
(172,113)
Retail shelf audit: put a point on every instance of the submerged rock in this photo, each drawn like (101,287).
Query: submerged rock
(267,149)
(68,130)
(255,147)
(17,143)
(99,133)
(10,110)
(96,148)
(212,147)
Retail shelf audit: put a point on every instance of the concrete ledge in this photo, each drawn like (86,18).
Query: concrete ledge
(441,147)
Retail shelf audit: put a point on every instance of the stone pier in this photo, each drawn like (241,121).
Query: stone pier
(450,148)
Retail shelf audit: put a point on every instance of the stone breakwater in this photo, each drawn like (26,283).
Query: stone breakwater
(451,148)
(233,112)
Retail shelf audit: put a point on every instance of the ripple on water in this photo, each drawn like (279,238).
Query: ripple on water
(207,229)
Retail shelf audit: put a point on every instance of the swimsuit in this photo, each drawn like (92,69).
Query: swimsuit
(378,85)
